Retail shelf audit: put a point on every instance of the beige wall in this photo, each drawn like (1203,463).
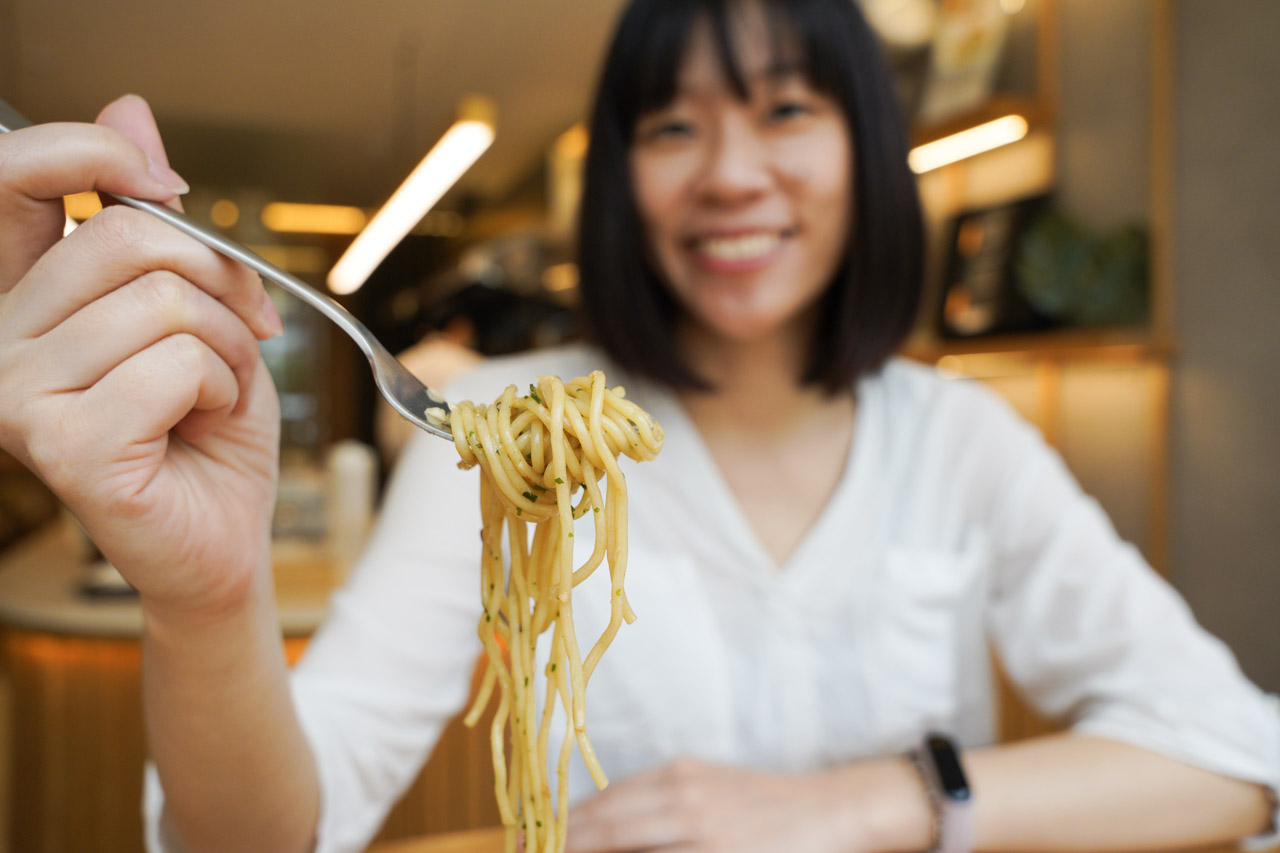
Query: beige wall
(1225,426)
(1226,403)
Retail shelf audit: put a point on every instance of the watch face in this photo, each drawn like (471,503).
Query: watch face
(950,774)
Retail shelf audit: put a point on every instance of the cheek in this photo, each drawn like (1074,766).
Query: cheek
(654,192)
(830,195)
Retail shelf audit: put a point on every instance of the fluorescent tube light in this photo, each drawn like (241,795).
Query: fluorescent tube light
(461,145)
(967,143)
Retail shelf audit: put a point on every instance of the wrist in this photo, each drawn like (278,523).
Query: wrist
(884,805)
(240,596)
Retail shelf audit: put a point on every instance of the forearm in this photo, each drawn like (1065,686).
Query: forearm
(236,769)
(1061,792)
(1068,792)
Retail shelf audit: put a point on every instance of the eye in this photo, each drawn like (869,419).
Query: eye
(670,128)
(788,110)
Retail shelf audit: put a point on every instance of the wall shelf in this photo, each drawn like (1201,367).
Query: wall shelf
(1126,344)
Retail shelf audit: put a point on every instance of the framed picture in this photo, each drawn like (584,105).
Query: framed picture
(968,43)
(980,295)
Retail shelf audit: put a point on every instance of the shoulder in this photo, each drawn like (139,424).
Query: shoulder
(944,428)
(486,381)
(909,391)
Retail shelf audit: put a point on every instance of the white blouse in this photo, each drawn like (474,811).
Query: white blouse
(953,530)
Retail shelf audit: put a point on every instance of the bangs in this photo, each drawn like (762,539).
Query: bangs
(661,39)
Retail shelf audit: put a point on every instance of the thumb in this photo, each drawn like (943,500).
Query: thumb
(131,116)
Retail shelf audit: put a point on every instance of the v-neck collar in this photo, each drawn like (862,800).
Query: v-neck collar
(699,467)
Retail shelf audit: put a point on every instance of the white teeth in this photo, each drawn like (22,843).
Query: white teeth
(745,248)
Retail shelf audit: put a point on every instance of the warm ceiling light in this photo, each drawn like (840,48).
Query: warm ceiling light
(461,145)
(572,144)
(967,143)
(225,213)
(560,277)
(313,218)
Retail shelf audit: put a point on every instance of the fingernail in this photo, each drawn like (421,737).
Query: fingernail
(167,178)
(274,323)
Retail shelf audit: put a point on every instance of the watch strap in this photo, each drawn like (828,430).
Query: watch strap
(938,762)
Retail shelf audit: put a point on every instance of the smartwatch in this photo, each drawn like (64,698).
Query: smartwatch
(938,761)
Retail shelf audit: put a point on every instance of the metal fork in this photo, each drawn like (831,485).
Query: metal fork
(423,406)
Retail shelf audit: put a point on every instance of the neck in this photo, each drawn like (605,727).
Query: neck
(756,385)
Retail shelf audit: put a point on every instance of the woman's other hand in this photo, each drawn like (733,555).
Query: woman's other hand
(129,364)
(691,805)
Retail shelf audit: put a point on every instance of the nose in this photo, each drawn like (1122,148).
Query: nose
(736,165)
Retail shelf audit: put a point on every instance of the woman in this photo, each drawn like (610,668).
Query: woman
(819,557)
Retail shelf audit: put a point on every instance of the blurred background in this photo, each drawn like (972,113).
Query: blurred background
(1110,266)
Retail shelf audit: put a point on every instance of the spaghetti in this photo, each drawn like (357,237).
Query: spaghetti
(537,451)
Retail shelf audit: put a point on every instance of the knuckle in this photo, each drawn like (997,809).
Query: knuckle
(188,351)
(118,227)
(166,293)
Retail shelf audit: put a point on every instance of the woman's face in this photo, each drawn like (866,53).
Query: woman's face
(745,204)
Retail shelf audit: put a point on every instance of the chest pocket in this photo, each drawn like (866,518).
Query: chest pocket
(926,643)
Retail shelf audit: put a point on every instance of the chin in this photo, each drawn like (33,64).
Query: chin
(740,329)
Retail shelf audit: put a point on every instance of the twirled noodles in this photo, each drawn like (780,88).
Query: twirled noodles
(537,451)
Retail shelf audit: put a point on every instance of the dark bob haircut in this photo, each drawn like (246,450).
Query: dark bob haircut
(870,304)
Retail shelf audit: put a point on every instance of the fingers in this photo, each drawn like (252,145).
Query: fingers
(125,322)
(640,813)
(131,117)
(118,246)
(121,424)
(178,382)
(39,165)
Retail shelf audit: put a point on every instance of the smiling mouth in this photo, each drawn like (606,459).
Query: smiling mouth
(740,248)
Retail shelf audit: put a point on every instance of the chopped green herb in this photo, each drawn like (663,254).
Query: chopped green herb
(533,392)
(529,496)
(538,822)
(617,592)
(595,509)
(553,667)
(519,511)
(526,681)
(487,617)
(570,534)
(538,488)
(559,482)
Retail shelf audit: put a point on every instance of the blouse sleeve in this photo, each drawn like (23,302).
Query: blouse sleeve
(1089,633)
(393,660)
